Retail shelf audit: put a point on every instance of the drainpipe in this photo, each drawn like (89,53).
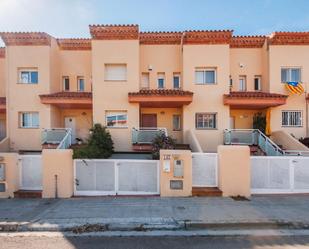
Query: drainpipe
(181,41)
(307,121)
(182,82)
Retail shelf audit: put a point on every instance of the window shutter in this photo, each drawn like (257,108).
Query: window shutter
(145,80)
(116,72)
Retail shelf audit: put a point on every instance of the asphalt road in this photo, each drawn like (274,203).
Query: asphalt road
(81,242)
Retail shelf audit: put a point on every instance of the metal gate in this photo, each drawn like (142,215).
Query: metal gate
(204,170)
(30,172)
(275,175)
(116,177)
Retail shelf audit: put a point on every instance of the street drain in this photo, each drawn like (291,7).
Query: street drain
(239,198)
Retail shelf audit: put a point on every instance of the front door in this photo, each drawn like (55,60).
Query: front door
(2,129)
(69,122)
(149,120)
(232,122)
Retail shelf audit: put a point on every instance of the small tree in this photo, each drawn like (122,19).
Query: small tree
(259,122)
(99,144)
(162,142)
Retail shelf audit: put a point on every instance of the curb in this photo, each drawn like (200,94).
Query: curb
(79,228)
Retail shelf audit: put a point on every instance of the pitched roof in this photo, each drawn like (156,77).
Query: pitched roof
(153,38)
(161,92)
(2,52)
(25,38)
(289,38)
(247,41)
(114,32)
(208,36)
(255,95)
(68,95)
(74,44)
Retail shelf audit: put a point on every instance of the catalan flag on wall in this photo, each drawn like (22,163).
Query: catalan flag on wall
(295,87)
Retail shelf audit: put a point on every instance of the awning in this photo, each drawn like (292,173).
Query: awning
(253,100)
(68,100)
(2,104)
(161,98)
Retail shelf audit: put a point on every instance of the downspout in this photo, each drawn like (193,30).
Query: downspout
(182,84)
(306,110)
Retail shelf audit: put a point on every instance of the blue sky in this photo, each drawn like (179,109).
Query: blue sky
(70,18)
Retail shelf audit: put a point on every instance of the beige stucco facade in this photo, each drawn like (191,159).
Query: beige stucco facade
(207,98)
(236,180)
(154,54)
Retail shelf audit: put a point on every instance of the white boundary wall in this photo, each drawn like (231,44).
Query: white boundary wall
(204,169)
(279,175)
(116,177)
(30,172)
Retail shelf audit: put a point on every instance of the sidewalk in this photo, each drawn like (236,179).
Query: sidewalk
(152,213)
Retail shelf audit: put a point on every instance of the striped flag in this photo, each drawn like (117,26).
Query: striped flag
(295,87)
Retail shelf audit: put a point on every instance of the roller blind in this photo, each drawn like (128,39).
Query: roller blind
(116,72)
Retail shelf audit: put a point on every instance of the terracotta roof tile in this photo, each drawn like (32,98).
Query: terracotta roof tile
(255,95)
(68,95)
(2,52)
(74,44)
(25,38)
(289,38)
(154,38)
(114,32)
(247,41)
(161,92)
(208,36)
(2,100)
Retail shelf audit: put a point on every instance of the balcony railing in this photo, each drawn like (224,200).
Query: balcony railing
(146,135)
(252,137)
(60,136)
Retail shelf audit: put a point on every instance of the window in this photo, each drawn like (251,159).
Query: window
(205,76)
(257,83)
(292,118)
(80,84)
(66,83)
(242,83)
(145,80)
(28,76)
(176,122)
(116,119)
(161,80)
(176,80)
(29,120)
(206,121)
(115,72)
(290,75)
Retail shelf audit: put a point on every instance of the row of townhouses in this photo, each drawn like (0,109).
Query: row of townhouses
(195,83)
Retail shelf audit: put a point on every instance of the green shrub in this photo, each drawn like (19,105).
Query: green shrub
(99,144)
(162,142)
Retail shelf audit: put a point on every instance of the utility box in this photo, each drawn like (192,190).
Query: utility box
(178,168)
(175,173)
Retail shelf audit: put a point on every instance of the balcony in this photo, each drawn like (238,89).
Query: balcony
(2,104)
(142,138)
(56,138)
(157,98)
(68,100)
(253,100)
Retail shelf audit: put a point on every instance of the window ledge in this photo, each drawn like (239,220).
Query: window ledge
(211,129)
(116,81)
(113,127)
